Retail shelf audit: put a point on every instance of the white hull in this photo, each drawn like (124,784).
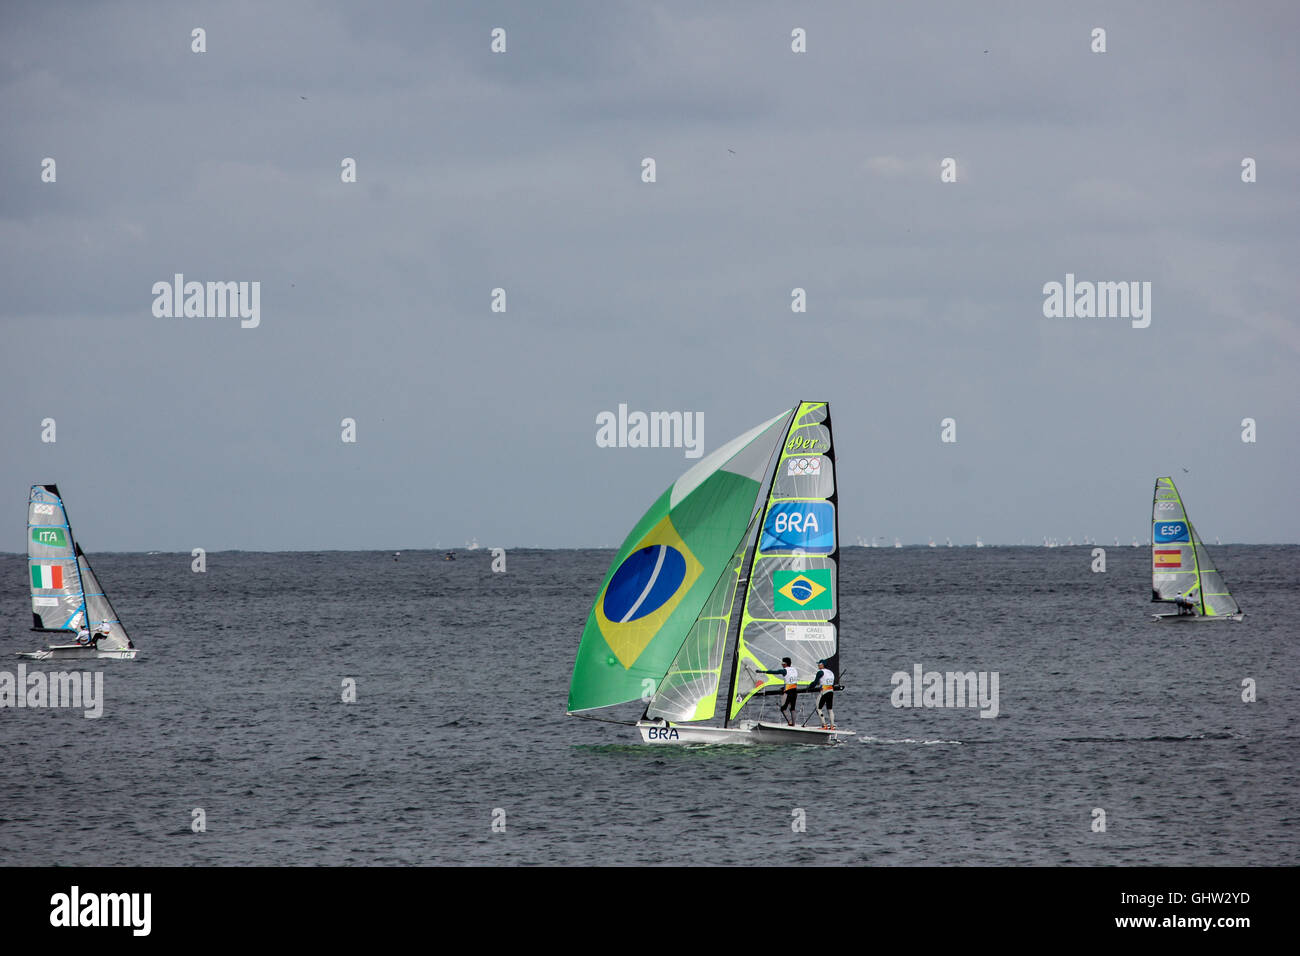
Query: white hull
(656,732)
(765,733)
(747,732)
(61,652)
(1174,616)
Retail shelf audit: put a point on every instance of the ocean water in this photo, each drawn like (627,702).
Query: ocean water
(461,676)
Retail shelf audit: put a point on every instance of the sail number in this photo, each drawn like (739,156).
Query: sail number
(661,733)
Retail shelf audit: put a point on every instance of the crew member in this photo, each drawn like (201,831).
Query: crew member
(791,675)
(823,685)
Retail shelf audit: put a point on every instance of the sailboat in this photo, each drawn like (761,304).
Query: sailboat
(1182,571)
(66,595)
(757,517)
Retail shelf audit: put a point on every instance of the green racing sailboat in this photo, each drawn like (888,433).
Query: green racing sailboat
(757,517)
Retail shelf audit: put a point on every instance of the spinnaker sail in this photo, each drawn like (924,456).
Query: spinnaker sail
(689,691)
(667,569)
(1181,566)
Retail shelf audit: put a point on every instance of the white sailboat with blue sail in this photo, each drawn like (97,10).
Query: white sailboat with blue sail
(758,517)
(67,598)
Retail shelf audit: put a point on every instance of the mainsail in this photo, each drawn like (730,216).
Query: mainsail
(1181,565)
(65,592)
(791,604)
(667,570)
(58,603)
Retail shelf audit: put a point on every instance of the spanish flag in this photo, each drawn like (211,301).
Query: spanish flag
(1169,559)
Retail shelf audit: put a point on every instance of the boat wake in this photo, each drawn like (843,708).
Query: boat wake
(1157,739)
(907,740)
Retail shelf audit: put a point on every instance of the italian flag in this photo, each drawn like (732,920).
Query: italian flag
(47,576)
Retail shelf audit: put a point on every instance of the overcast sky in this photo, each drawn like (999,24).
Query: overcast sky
(523,170)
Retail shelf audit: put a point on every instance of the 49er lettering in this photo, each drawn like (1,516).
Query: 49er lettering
(801,444)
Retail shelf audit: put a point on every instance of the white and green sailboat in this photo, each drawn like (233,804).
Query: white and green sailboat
(760,513)
(67,598)
(1182,571)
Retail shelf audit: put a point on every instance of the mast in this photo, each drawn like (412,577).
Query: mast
(739,614)
(743,585)
(1155,496)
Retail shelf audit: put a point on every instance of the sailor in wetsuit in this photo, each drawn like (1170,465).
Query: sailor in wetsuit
(823,685)
(791,675)
(1185,605)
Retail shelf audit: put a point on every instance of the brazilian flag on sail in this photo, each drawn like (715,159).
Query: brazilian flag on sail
(665,571)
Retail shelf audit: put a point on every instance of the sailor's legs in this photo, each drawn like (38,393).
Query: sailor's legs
(825,713)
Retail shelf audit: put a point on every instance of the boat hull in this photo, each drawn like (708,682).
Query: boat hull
(657,732)
(747,733)
(63,652)
(766,733)
(1199,617)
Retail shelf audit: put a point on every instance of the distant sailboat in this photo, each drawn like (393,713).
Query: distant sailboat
(67,598)
(756,517)
(979,542)
(897,543)
(1182,571)
(932,544)
(950,542)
